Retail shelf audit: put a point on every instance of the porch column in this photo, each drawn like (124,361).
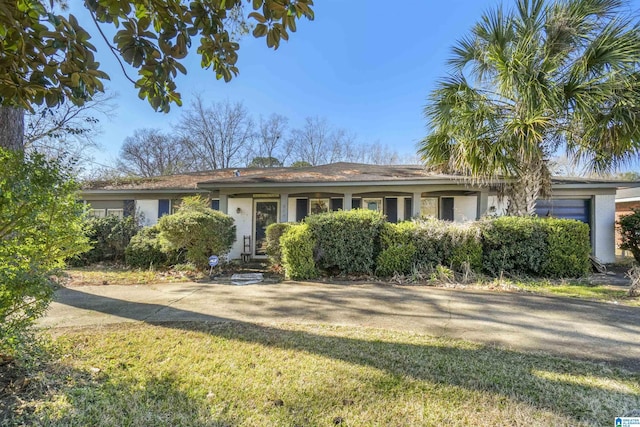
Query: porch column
(415,205)
(284,208)
(346,204)
(483,203)
(224,203)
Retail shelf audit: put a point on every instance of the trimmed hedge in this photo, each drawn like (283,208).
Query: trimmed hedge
(297,245)
(568,248)
(535,246)
(347,241)
(274,232)
(427,244)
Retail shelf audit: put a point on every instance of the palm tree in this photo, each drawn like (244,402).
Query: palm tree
(543,78)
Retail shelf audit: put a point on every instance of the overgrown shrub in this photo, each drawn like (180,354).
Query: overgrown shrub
(513,245)
(535,246)
(463,246)
(40,227)
(297,245)
(200,230)
(629,226)
(109,237)
(397,252)
(347,240)
(274,232)
(568,248)
(146,250)
(430,238)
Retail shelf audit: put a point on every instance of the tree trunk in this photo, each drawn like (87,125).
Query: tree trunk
(12,128)
(534,182)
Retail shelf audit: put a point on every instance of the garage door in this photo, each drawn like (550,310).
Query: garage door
(579,209)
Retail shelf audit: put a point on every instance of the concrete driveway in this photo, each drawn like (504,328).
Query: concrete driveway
(567,327)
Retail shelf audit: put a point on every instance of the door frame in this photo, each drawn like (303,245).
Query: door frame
(254,243)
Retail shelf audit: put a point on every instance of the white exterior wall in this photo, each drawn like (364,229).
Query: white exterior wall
(604,218)
(292,209)
(495,206)
(243,223)
(149,211)
(464,208)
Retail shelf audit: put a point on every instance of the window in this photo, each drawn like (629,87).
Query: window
(115,212)
(97,213)
(318,206)
(429,207)
(372,204)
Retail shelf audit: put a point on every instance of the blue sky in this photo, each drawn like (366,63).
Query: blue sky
(365,65)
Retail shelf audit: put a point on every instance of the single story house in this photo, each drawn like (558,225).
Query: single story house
(257,197)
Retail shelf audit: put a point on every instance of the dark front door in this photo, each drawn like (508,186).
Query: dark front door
(266,214)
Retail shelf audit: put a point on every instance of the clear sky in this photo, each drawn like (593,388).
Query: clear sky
(365,65)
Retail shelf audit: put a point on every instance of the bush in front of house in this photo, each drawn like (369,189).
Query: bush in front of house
(198,229)
(397,250)
(463,247)
(427,244)
(145,250)
(568,248)
(347,241)
(513,245)
(629,226)
(535,246)
(297,245)
(274,232)
(109,237)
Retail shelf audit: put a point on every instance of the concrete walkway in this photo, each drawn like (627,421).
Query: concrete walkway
(567,327)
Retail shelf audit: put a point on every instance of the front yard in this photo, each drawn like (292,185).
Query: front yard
(227,374)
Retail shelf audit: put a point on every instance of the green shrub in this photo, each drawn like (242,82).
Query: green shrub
(536,246)
(109,237)
(395,259)
(145,250)
(347,240)
(568,248)
(40,227)
(274,232)
(430,239)
(629,226)
(463,246)
(297,245)
(198,229)
(513,245)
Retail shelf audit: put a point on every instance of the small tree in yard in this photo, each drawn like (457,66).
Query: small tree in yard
(200,230)
(629,226)
(40,226)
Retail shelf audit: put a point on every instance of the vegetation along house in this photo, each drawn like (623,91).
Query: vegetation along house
(257,197)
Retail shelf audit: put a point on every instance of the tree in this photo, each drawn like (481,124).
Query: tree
(150,152)
(66,129)
(40,227)
(543,78)
(270,141)
(317,142)
(265,162)
(48,57)
(218,136)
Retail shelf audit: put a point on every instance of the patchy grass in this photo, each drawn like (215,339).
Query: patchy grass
(231,374)
(117,275)
(575,289)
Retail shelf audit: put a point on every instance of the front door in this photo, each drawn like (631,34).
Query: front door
(266,213)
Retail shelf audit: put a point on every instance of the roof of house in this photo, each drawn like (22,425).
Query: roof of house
(334,173)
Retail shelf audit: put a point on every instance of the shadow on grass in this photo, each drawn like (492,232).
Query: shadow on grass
(542,382)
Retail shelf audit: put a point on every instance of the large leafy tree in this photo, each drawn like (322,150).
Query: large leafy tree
(47,57)
(527,83)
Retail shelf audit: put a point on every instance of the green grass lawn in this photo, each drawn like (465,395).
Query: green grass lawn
(228,374)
